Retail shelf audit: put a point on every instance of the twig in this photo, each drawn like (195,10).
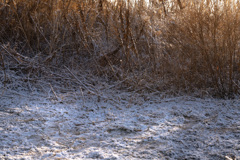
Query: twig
(89,89)
(4,69)
(54,92)
(29,85)
(236,85)
(17,93)
(20,59)
(79,80)
(82,96)
(11,55)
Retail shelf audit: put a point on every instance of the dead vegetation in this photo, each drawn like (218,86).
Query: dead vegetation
(175,46)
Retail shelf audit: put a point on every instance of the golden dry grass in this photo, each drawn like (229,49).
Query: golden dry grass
(185,44)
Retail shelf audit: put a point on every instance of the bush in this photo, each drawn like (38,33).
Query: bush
(203,39)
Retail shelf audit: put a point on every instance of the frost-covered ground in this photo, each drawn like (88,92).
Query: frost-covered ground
(117,125)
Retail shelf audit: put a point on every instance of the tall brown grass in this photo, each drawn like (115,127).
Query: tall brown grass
(203,39)
(186,45)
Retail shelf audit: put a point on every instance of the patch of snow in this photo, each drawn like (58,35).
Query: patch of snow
(118,126)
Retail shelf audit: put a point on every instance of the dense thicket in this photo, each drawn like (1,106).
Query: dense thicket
(177,45)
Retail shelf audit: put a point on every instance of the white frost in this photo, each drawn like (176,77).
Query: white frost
(118,126)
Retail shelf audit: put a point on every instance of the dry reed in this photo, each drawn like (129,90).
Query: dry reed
(186,45)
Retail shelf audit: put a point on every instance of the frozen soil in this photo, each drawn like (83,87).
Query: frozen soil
(117,125)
